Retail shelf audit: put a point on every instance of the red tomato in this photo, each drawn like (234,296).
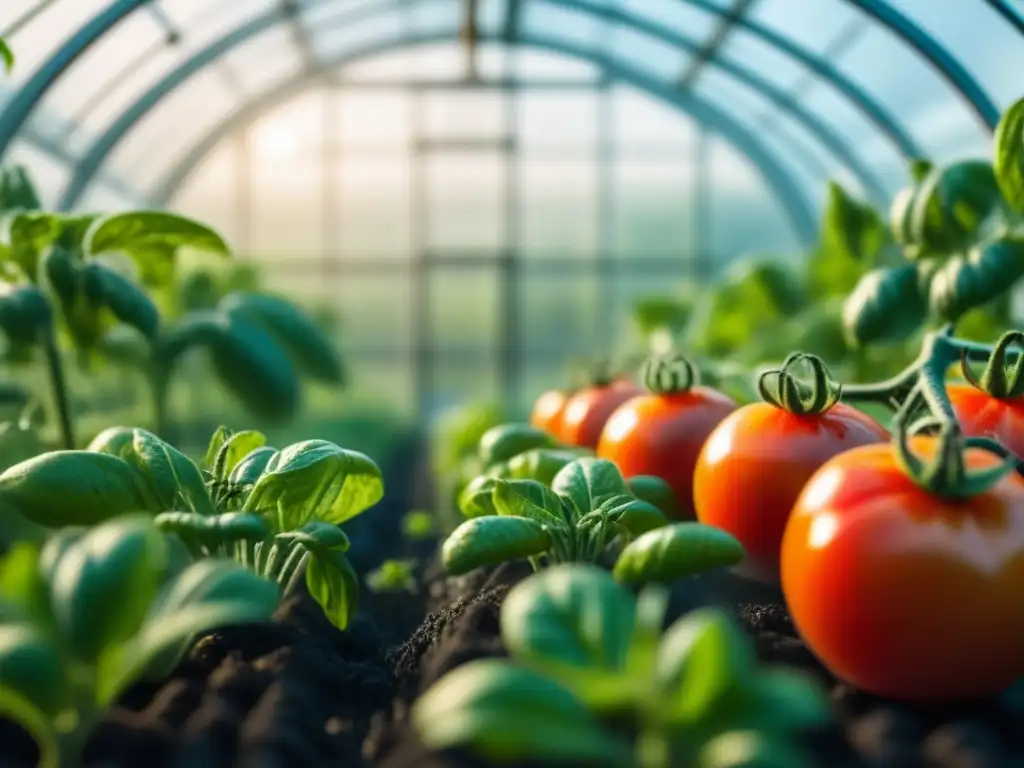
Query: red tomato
(547,411)
(754,465)
(587,411)
(662,434)
(981,415)
(904,594)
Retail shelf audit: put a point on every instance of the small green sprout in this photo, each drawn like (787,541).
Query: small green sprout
(584,649)
(393,576)
(418,525)
(93,612)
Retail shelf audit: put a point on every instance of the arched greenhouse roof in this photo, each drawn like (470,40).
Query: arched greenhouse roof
(802,90)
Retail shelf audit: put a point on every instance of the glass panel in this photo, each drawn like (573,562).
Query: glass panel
(462,378)
(464,197)
(465,307)
(207,20)
(679,17)
(355,32)
(154,143)
(467,114)
(383,379)
(373,119)
(577,29)
(561,312)
(648,126)
(374,214)
(38,41)
(562,120)
(653,209)
(809,23)
(374,309)
(211,194)
(270,58)
(743,217)
(641,49)
(558,204)
(543,65)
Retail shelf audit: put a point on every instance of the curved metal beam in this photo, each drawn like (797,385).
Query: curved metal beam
(26,98)
(792,199)
(1010,13)
(948,65)
(96,155)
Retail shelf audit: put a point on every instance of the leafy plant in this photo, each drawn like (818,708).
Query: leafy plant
(418,524)
(587,508)
(93,612)
(276,512)
(393,576)
(584,650)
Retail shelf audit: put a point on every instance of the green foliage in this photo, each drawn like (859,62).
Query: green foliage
(673,552)
(418,524)
(7,56)
(393,576)
(583,649)
(93,612)
(1008,159)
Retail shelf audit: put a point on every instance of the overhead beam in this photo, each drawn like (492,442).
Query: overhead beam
(708,51)
(292,12)
(790,195)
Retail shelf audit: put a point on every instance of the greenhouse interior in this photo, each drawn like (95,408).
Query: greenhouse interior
(527,383)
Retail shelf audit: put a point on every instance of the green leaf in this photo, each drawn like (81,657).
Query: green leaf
(504,441)
(197,330)
(664,314)
(635,515)
(135,233)
(173,477)
(477,498)
(334,584)
(750,749)
(853,238)
(217,440)
(17,190)
(105,582)
(491,540)
(25,313)
(30,665)
(655,491)
(249,362)
(951,205)
(676,551)
(573,615)
(117,441)
(249,469)
(393,576)
(234,449)
(304,341)
(1008,158)
(540,464)
(7,55)
(586,483)
(505,713)
(703,657)
(127,301)
(528,498)
(785,701)
(28,234)
(73,488)
(315,481)
(214,530)
(887,305)
(987,272)
(418,524)
(23,591)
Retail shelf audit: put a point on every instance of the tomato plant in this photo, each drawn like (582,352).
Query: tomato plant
(548,409)
(589,408)
(661,433)
(754,464)
(904,579)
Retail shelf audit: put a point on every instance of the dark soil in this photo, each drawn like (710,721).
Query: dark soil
(298,693)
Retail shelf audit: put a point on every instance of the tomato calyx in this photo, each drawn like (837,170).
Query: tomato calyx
(669,375)
(1001,379)
(781,388)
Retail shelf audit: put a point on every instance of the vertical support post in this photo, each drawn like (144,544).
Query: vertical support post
(703,258)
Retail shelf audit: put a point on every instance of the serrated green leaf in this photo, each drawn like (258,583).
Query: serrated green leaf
(528,498)
(586,483)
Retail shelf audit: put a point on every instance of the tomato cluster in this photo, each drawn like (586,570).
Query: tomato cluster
(900,589)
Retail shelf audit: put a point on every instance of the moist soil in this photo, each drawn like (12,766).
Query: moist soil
(296,692)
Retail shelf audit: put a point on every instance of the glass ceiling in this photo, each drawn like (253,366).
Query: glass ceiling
(112,96)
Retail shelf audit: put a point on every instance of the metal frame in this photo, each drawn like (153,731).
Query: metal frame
(791,197)
(12,121)
(105,144)
(1010,13)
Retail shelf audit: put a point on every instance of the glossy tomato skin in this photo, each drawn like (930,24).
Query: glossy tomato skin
(981,415)
(587,411)
(547,411)
(754,465)
(662,435)
(901,593)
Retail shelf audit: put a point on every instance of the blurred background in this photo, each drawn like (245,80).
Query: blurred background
(466,194)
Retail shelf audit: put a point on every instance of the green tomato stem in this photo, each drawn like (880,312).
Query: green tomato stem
(669,374)
(1000,379)
(781,388)
(59,387)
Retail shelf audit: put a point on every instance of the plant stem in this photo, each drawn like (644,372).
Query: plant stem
(296,556)
(58,384)
(298,574)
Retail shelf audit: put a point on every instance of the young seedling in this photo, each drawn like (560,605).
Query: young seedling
(393,576)
(275,512)
(93,612)
(584,649)
(418,525)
